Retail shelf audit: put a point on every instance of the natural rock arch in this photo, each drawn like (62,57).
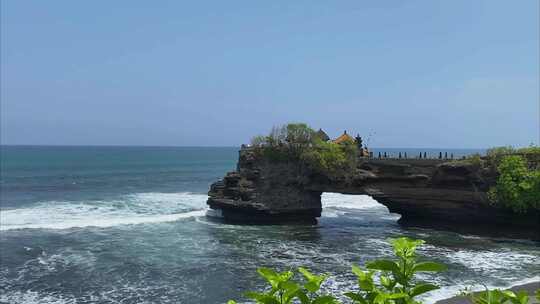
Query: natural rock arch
(420,190)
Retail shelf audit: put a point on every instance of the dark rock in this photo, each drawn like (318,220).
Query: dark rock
(426,192)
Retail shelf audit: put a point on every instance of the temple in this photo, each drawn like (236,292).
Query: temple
(344,138)
(322,135)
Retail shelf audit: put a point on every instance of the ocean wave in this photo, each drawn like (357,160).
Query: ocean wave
(337,205)
(492,260)
(349,201)
(140,208)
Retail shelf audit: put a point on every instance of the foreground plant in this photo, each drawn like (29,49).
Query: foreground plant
(397,283)
(498,296)
(283,290)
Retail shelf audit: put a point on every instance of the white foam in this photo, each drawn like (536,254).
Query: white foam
(131,209)
(33,297)
(487,264)
(491,260)
(349,201)
(337,204)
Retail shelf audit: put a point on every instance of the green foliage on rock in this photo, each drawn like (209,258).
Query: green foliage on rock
(475,160)
(299,142)
(494,156)
(330,158)
(517,187)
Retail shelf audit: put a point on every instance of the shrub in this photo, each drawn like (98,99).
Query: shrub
(475,160)
(530,150)
(517,187)
(329,158)
(498,296)
(299,134)
(531,153)
(299,142)
(258,140)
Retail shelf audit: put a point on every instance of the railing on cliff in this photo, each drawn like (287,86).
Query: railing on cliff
(397,155)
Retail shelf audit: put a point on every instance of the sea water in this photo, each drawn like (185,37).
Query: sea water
(127,225)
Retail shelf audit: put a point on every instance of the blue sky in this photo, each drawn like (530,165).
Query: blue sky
(462,74)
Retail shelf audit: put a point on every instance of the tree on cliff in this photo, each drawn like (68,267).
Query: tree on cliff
(299,142)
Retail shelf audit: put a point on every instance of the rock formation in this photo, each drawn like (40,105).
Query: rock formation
(426,192)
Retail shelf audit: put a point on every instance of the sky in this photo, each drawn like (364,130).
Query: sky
(419,74)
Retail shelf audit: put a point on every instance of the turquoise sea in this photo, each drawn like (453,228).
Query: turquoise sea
(127,225)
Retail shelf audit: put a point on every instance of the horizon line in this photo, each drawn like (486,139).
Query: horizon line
(200,146)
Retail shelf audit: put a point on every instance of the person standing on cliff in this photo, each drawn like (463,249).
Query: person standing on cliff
(358,140)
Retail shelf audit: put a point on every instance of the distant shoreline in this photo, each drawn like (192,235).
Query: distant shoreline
(529,287)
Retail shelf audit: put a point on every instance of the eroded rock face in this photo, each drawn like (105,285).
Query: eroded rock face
(424,191)
(261,191)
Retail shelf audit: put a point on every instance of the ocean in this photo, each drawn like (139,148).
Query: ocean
(128,225)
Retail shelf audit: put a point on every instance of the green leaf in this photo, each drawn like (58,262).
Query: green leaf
(308,275)
(521,297)
(397,295)
(489,297)
(365,279)
(386,282)
(383,265)
(405,247)
(325,300)
(312,286)
(422,288)
(429,266)
(303,297)
(314,281)
(267,272)
(290,289)
(231,302)
(538,294)
(357,270)
(273,277)
(270,275)
(380,298)
(355,297)
(262,297)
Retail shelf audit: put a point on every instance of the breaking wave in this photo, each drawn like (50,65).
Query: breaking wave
(140,208)
(337,204)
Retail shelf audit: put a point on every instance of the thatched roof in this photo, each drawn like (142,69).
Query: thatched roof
(343,137)
(322,135)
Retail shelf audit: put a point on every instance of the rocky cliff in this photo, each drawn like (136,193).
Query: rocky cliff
(424,192)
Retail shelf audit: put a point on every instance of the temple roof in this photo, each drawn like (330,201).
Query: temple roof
(343,137)
(322,135)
